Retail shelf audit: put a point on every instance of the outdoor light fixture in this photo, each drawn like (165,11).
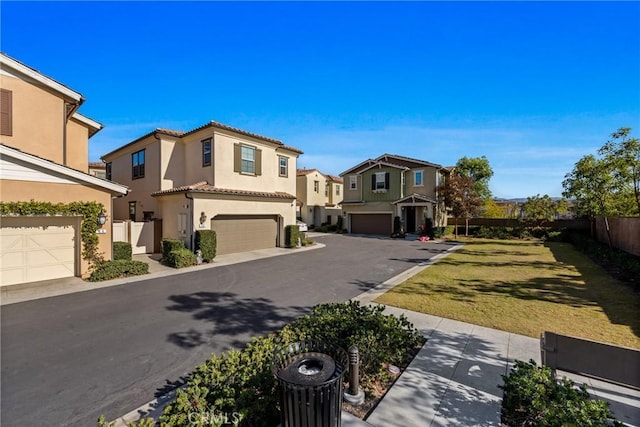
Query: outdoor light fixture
(102,218)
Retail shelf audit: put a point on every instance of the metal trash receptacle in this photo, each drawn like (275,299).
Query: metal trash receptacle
(310,376)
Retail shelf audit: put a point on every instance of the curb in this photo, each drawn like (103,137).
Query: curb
(368,296)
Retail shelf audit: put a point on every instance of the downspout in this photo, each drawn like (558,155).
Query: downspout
(190,222)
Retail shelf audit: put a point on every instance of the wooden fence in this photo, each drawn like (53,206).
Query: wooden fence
(623,230)
(570,224)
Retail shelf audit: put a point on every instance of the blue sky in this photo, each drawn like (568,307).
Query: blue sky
(533,86)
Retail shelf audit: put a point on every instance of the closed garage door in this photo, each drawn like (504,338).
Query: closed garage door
(37,248)
(371,224)
(239,233)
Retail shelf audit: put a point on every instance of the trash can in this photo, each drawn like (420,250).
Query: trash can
(310,375)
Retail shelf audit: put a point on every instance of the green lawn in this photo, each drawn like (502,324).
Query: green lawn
(525,287)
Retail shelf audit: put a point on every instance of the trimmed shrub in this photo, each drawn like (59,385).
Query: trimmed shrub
(122,250)
(169,245)
(292,236)
(241,386)
(533,396)
(115,269)
(339,225)
(205,241)
(180,258)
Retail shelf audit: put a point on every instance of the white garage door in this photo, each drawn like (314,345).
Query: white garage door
(37,248)
(239,233)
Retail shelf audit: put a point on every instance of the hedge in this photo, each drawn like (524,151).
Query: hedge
(180,258)
(169,245)
(122,250)
(206,242)
(115,269)
(533,396)
(292,236)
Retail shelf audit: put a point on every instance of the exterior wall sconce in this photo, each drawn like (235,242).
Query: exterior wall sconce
(102,218)
(203,219)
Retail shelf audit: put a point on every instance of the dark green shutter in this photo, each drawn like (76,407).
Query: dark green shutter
(237,158)
(258,162)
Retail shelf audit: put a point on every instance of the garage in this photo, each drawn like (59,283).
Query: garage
(37,248)
(371,224)
(240,233)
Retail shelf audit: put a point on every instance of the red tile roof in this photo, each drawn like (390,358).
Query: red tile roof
(204,187)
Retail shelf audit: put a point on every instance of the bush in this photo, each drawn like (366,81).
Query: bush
(379,338)
(291,236)
(205,241)
(108,270)
(169,245)
(240,384)
(122,250)
(534,397)
(339,225)
(180,258)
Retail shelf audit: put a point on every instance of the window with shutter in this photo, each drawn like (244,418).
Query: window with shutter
(6,112)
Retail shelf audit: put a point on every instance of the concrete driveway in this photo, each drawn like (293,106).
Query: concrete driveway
(68,359)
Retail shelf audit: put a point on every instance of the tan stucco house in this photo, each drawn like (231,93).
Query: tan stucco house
(319,197)
(44,146)
(240,184)
(378,190)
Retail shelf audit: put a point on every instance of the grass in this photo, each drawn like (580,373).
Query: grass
(525,287)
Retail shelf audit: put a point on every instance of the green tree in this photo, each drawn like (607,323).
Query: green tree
(538,210)
(622,154)
(492,210)
(479,170)
(607,186)
(459,195)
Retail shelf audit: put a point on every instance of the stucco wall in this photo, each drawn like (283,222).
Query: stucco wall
(349,194)
(77,146)
(121,172)
(38,118)
(172,206)
(17,191)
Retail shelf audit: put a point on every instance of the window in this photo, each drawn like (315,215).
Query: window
(107,171)
(380,181)
(337,189)
(283,166)
(6,112)
(206,152)
(326,190)
(247,159)
(316,186)
(353,182)
(417,178)
(132,211)
(101,174)
(137,164)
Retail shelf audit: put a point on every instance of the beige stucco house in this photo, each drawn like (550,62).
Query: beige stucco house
(240,184)
(44,157)
(319,197)
(378,190)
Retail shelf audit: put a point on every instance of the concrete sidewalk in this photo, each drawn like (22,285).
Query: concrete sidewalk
(453,380)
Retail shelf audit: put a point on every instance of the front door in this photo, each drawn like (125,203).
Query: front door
(410,219)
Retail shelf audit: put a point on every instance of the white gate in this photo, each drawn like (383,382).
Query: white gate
(139,234)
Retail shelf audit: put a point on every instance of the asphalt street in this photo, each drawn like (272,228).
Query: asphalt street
(68,359)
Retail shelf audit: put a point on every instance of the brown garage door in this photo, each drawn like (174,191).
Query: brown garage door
(239,233)
(371,224)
